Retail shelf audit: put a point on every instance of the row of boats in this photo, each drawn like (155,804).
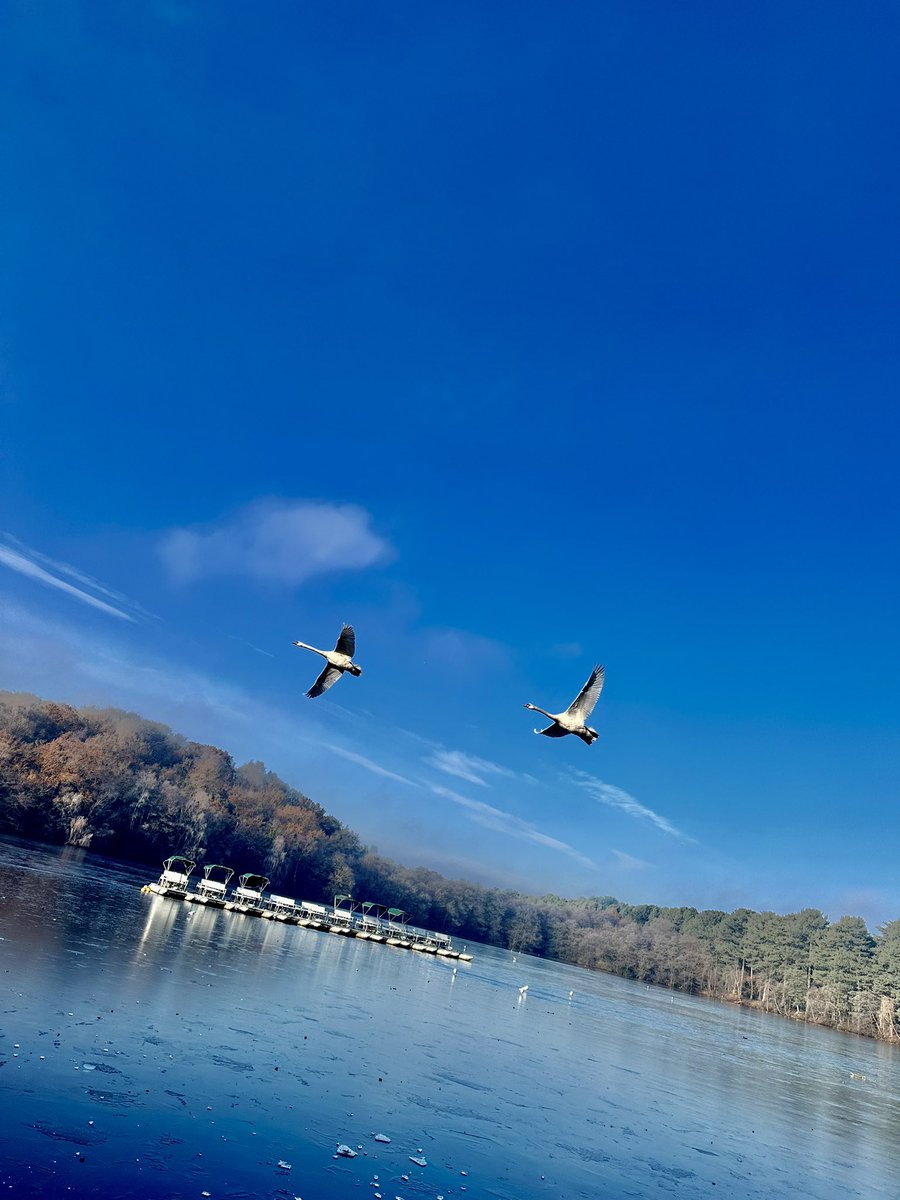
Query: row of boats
(352,918)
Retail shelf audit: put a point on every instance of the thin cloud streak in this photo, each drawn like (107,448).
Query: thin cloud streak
(369,764)
(615,797)
(629,861)
(504,822)
(244,642)
(25,566)
(467,766)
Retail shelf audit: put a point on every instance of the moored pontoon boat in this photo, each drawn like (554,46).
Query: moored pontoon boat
(211,888)
(283,908)
(248,896)
(315,916)
(369,924)
(174,878)
(395,928)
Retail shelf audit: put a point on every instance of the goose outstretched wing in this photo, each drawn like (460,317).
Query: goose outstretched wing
(553,730)
(583,704)
(329,676)
(346,643)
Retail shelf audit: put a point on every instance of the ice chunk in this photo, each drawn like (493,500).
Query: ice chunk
(382,1137)
(345,1151)
(420,1162)
(283,1166)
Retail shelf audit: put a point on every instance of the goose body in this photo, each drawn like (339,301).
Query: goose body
(574,718)
(337,661)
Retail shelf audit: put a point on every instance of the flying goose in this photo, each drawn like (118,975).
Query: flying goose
(573,719)
(339,660)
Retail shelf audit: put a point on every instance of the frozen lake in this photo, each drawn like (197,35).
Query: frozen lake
(151,1048)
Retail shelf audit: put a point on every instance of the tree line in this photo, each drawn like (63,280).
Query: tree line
(134,789)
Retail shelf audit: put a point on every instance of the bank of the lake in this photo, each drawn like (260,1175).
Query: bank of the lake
(129,787)
(151,1048)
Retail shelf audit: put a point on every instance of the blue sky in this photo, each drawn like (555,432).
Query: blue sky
(522,340)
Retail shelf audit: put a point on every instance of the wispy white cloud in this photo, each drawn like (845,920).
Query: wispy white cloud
(467,766)
(280,541)
(26,562)
(505,822)
(629,861)
(369,764)
(63,660)
(244,642)
(617,798)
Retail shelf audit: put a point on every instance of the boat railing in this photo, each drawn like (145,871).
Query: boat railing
(178,878)
(214,888)
(211,887)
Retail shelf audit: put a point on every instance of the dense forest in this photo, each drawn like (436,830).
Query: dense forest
(133,789)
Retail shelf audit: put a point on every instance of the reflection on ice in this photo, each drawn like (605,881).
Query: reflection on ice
(237,1046)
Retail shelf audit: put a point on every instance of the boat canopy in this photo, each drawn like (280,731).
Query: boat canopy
(215,885)
(251,888)
(226,871)
(257,882)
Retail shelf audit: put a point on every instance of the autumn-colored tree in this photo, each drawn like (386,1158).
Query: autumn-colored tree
(132,788)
